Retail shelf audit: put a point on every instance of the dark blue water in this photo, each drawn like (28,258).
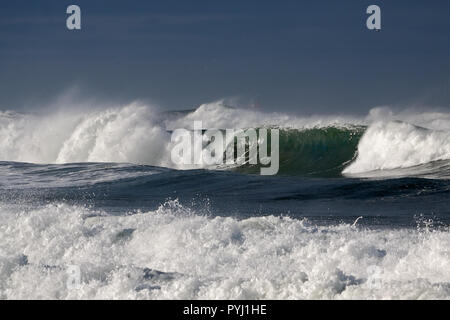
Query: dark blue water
(121,188)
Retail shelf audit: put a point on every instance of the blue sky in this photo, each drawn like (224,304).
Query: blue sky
(300,56)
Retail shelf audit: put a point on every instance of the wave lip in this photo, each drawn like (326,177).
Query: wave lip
(138,134)
(315,145)
(396,145)
(219,116)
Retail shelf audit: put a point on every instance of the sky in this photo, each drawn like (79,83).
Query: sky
(304,57)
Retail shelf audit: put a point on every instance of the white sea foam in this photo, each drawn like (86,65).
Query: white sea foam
(391,145)
(202,257)
(136,133)
(123,134)
(217,115)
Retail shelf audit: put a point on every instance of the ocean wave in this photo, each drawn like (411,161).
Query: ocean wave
(317,152)
(133,133)
(218,115)
(175,253)
(315,146)
(397,145)
(123,134)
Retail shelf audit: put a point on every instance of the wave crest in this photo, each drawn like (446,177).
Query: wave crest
(124,134)
(394,144)
(315,145)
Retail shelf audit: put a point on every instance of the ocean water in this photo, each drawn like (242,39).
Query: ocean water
(358,210)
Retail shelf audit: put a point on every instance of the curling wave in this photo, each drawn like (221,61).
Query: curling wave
(380,144)
(138,134)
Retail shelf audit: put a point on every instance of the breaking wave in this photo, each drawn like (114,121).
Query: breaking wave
(400,145)
(318,145)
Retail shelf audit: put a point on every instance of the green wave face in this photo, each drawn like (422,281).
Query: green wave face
(319,152)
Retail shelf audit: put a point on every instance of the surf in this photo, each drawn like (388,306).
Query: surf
(176,253)
(380,144)
(401,147)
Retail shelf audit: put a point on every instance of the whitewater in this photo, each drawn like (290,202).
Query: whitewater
(137,133)
(359,209)
(174,253)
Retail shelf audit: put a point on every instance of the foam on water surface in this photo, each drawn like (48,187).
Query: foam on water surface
(391,145)
(174,252)
(73,205)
